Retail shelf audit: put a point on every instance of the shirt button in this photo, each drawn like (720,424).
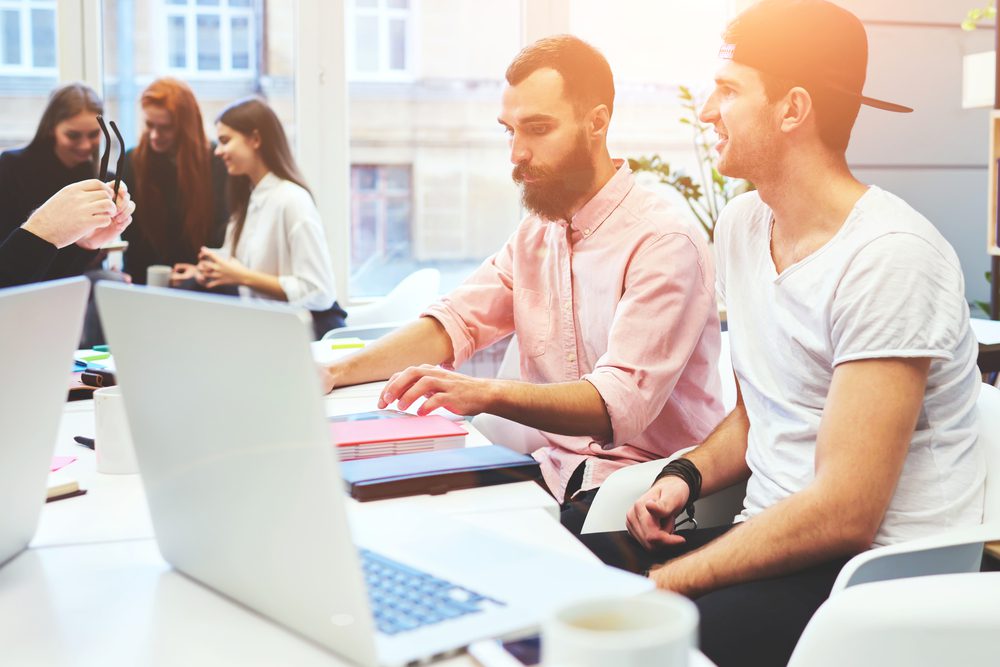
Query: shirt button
(568,305)
(571,357)
(586,232)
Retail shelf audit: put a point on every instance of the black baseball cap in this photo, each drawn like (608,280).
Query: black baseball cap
(811,43)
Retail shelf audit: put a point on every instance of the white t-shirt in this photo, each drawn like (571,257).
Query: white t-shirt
(283,236)
(886,285)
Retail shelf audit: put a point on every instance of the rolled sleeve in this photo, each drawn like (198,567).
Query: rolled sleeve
(479,311)
(669,297)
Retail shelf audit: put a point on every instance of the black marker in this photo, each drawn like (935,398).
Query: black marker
(86,442)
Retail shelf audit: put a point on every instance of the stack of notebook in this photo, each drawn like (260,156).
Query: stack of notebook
(369,435)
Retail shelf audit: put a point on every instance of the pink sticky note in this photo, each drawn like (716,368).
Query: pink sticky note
(61,462)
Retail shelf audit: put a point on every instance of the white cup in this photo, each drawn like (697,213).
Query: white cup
(158,275)
(112,438)
(653,629)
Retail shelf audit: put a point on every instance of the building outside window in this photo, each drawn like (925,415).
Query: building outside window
(381,202)
(28,37)
(209,37)
(441,118)
(380,40)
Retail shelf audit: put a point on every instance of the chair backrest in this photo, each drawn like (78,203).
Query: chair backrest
(989,440)
(510,365)
(405,302)
(365,331)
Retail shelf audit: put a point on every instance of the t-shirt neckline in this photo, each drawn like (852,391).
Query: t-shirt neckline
(792,268)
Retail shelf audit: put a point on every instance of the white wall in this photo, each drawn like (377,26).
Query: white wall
(935,158)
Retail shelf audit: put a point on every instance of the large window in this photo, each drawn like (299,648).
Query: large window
(380,39)
(224,49)
(28,37)
(210,37)
(440,121)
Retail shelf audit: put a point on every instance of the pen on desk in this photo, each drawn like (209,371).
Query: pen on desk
(86,442)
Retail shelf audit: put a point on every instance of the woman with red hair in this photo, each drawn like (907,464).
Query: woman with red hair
(180,182)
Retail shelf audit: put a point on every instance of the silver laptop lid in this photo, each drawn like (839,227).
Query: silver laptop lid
(242,483)
(39,330)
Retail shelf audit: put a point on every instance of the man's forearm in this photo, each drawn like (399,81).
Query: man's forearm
(798,532)
(567,408)
(421,342)
(721,458)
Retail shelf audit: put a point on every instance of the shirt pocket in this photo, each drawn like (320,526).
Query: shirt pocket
(532,320)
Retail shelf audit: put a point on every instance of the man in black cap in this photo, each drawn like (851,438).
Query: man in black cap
(856,420)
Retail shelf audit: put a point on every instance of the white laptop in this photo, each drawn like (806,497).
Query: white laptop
(39,329)
(245,493)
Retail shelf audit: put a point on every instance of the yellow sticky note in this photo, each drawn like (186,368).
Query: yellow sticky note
(345,343)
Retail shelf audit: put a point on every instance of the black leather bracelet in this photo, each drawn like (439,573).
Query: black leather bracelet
(687,471)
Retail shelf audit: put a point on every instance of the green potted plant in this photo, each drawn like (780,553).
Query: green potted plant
(708,191)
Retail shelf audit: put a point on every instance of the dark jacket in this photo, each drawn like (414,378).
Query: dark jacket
(28,177)
(142,251)
(24,258)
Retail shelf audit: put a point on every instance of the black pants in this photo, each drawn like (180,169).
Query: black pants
(756,623)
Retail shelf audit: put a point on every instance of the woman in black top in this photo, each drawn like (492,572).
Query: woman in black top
(178,179)
(64,151)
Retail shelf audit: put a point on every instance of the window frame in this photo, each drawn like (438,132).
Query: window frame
(27,68)
(190,11)
(383,14)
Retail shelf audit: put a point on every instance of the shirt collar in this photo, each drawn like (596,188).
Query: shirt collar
(592,214)
(268,182)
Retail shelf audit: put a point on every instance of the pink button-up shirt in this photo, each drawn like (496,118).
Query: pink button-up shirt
(625,299)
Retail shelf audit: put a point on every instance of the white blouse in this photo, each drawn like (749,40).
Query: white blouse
(283,237)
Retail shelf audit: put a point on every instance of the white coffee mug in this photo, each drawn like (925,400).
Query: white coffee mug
(654,629)
(158,275)
(112,438)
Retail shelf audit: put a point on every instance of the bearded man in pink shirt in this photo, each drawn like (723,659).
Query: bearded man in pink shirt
(611,296)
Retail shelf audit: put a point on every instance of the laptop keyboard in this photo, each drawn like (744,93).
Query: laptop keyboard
(404,599)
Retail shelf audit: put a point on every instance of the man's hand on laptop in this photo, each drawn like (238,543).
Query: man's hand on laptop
(651,519)
(453,391)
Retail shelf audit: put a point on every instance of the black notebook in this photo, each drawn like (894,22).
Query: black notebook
(436,472)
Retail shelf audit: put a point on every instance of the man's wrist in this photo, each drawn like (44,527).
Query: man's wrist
(497,393)
(674,487)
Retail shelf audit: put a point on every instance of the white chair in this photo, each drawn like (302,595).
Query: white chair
(930,621)
(365,331)
(405,302)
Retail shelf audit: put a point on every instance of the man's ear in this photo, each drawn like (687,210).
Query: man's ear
(598,121)
(796,108)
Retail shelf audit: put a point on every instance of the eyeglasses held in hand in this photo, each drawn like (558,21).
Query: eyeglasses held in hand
(120,168)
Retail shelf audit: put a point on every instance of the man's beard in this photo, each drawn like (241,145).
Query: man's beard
(556,190)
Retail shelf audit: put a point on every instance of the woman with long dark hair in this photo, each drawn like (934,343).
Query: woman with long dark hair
(275,247)
(181,184)
(64,150)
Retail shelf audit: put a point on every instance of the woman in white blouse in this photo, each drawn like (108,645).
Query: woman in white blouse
(274,247)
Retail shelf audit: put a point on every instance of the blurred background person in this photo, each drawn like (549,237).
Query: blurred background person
(274,247)
(65,150)
(180,182)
